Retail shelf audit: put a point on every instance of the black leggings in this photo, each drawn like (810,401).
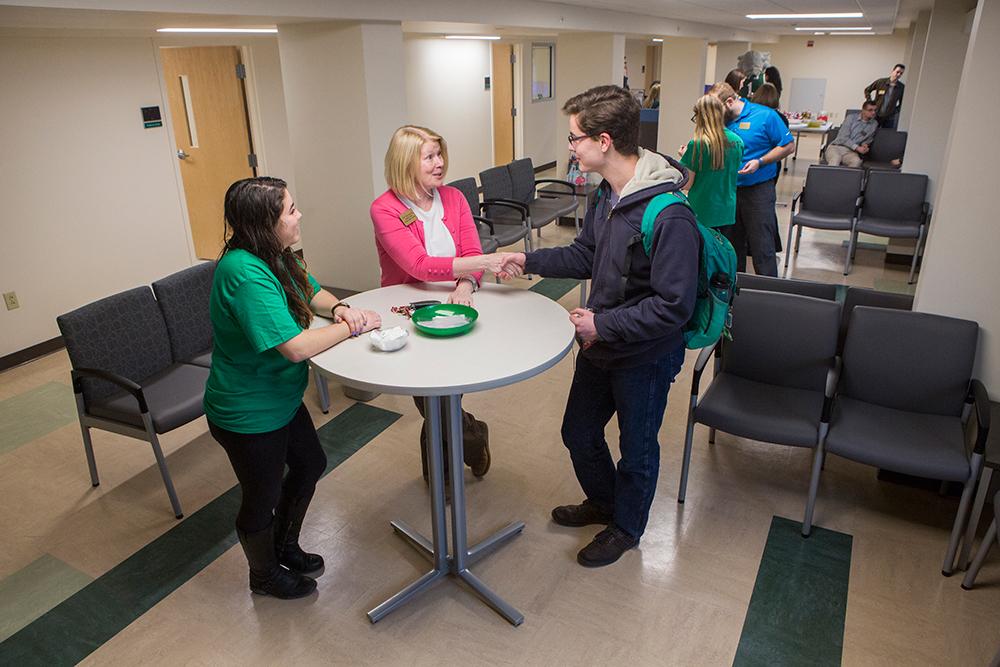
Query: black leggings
(259,459)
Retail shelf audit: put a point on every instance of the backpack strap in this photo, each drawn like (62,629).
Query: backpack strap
(656,206)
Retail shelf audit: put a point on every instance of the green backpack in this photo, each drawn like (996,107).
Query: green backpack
(716,276)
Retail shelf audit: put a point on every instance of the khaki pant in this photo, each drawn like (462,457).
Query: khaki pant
(841,156)
(475,437)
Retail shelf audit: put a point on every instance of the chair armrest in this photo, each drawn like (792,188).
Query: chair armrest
(926,212)
(485,221)
(797,199)
(699,366)
(128,385)
(832,379)
(521,206)
(556,181)
(980,401)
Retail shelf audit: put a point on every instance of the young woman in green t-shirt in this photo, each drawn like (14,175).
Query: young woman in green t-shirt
(713,158)
(262,302)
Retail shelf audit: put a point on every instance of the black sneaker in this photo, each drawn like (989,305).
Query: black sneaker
(606,547)
(584,514)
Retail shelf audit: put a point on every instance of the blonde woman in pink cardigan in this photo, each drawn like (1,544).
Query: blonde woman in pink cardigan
(424,232)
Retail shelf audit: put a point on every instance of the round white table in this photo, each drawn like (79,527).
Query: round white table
(519,334)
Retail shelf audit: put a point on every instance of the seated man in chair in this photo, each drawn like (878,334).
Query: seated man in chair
(854,139)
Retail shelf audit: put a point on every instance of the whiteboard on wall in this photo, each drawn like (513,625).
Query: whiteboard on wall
(807,95)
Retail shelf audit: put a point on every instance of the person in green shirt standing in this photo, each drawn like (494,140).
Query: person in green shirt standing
(261,305)
(713,157)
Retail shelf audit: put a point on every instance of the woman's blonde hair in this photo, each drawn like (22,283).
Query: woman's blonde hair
(710,130)
(402,159)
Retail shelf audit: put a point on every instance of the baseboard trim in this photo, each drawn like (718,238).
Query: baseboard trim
(31,353)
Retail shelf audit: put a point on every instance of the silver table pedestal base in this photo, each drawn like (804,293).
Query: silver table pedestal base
(436,550)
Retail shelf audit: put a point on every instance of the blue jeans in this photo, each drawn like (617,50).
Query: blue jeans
(639,396)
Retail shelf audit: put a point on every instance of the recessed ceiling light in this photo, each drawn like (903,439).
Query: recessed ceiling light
(833,15)
(852,33)
(490,37)
(269,31)
(822,33)
(823,27)
(657,39)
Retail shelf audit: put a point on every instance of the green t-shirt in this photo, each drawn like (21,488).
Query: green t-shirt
(252,388)
(713,196)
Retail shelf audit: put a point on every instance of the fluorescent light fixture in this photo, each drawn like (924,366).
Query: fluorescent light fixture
(833,15)
(489,37)
(657,39)
(852,33)
(823,33)
(823,27)
(269,31)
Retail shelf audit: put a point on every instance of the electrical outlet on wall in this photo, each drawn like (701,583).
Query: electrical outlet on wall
(10,299)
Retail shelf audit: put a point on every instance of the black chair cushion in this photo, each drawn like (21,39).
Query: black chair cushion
(760,411)
(890,228)
(123,333)
(174,397)
(831,191)
(183,298)
(508,234)
(489,244)
(204,359)
(911,443)
(822,220)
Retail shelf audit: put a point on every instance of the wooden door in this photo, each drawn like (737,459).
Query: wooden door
(208,108)
(503,104)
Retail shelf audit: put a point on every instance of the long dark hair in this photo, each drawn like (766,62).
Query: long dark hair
(252,209)
(773,77)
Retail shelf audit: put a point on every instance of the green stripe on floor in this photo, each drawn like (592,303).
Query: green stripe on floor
(555,288)
(79,625)
(796,613)
(34,413)
(34,589)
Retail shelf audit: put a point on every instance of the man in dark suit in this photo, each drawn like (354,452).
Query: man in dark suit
(887,93)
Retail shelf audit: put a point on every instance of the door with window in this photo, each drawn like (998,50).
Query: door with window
(209,113)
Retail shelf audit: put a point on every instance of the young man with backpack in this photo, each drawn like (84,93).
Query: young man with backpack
(643,292)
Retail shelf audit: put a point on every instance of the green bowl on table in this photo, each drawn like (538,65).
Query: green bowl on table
(444,319)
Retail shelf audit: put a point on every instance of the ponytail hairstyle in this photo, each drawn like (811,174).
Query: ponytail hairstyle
(709,129)
(252,209)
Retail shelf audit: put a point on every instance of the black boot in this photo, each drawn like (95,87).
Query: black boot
(288,518)
(267,577)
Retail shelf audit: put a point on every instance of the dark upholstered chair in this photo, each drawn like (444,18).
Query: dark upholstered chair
(894,205)
(544,206)
(904,398)
(772,380)
(860,296)
(124,375)
(787,286)
(510,227)
(183,300)
(888,145)
(828,200)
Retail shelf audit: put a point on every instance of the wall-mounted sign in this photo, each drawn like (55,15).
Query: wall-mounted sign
(486,82)
(809,43)
(151,117)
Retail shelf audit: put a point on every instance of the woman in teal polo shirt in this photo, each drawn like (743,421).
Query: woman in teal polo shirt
(261,305)
(713,157)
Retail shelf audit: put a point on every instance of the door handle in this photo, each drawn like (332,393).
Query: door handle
(181,155)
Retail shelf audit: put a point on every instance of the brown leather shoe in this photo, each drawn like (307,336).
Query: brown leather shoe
(584,514)
(481,465)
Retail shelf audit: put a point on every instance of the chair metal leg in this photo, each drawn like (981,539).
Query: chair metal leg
(818,457)
(976,465)
(916,254)
(323,389)
(850,252)
(977,512)
(970,577)
(798,238)
(162,463)
(711,436)
(686,461)
(788,251)
(88,445)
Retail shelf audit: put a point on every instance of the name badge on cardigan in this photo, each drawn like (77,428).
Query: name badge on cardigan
(408,217)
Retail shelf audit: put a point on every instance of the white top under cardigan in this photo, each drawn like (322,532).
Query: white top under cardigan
(437,239)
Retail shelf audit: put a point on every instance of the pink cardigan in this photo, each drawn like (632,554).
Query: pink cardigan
(401,250)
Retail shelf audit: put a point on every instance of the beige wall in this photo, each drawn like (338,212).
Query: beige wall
(685,59)
(960,273)
(445,91)
(635,51)
(726,54)
(847,63)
